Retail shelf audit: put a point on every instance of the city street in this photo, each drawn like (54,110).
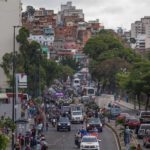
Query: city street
(64,140)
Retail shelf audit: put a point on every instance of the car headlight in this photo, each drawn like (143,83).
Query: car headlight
(88,125)
(69,124)
(101,124)
(59,124)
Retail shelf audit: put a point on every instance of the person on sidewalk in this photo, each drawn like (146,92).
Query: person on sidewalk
(27,147)
(127,135)
(17,145)
(47,126)
(138,147)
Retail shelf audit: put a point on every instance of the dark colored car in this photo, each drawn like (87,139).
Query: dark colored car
(146,141)
(94,122)
(132,122)
(64,124)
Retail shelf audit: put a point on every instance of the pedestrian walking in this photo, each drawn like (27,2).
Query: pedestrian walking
(77,138)
(27,147)
(127,135)
(47,125)
(17,145)
(38,146)
(22,141)
(138,147)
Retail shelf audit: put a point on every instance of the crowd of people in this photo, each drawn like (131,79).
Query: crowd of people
(34,137)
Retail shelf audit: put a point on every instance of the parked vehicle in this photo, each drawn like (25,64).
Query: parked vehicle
(143,129)
(144,116)
(63,123)
(146,141)
(89,143)
(132,122)
(94,122)
(122,117)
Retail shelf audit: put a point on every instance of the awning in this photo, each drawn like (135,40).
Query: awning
(3,96)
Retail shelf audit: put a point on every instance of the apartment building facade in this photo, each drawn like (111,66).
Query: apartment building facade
(10,15)
(140,31)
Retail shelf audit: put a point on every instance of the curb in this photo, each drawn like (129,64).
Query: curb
(116,135)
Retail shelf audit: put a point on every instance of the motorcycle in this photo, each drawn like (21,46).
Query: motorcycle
(53,122)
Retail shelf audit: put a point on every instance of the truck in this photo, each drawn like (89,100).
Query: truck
(76,111)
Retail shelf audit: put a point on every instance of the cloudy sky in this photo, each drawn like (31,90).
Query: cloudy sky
(112,13)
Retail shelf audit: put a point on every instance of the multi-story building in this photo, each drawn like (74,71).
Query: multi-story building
(140,30)
(69,12)
(10,15)
(95,26)
(140,43)
(41,19)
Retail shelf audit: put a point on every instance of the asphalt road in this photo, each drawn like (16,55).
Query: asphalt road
(64,140)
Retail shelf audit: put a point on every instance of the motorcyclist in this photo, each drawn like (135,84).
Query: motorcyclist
(78,139)
(83,132)
(54,122)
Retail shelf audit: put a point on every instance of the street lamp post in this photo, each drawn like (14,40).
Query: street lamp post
(14,71)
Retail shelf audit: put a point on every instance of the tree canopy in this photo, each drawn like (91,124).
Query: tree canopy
(31,60)
(116,66)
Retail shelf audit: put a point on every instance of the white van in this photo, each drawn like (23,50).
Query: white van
(144,128)
(144,117)
(77,116)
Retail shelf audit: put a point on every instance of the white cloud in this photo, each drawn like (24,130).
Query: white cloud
(112,13)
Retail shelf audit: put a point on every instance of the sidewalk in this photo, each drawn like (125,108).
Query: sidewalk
(128,105)
(118,131)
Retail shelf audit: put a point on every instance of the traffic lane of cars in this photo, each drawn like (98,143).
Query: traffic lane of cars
(64,140)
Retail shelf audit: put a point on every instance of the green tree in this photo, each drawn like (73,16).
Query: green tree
(4,141)
(70,62)
(109,55)
(66,71)
(33,62)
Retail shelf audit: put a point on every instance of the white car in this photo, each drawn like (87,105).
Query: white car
(89,143)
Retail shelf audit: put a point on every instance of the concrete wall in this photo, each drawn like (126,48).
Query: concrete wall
(10,15)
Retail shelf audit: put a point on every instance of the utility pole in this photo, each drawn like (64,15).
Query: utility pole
(13,85)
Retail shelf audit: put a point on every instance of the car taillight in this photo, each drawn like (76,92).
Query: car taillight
(149,140)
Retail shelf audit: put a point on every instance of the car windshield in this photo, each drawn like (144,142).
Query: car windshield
(94,120)
(77,113)
(145,113)
(145,127)
(85,98)
(90,91)
(133,120)
(63,119)
(76,81)
(124,114)
(89,139)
